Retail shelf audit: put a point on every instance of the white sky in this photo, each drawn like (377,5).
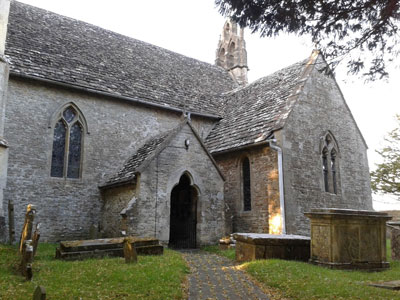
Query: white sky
(192,28)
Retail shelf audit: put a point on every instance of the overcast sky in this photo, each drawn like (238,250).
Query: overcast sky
(192,28)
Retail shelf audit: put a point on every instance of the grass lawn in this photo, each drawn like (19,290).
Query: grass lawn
(299,280)
(153,277)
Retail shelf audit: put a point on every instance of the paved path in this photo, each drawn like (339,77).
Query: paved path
(215,277)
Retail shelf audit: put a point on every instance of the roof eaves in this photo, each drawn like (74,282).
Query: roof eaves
(107,94)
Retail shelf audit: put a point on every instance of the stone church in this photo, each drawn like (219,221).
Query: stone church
(101,129)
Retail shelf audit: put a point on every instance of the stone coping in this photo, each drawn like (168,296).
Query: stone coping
(270,239)
(347,212)
(393,223)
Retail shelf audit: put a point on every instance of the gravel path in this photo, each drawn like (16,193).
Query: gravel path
(215,277)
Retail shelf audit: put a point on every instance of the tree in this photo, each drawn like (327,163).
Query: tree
(386,177)
(337,27)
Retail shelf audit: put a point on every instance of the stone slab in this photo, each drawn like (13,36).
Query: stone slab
(251,246)
(391,285)
(352,212)
(102,244)
(75,250)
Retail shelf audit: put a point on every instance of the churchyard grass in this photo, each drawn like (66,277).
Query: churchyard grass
(153,277)
(230,253)
(300,280)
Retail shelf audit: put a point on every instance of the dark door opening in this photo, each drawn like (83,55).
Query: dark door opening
(182,233)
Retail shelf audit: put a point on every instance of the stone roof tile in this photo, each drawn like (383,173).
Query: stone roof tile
(254,111)
(54,47)
(128,171)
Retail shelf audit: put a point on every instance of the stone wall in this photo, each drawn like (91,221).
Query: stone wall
(67,207)
(114,201)
(319,109)
(162,174)
(264,189)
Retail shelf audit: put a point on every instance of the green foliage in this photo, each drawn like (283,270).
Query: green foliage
(284,279)
(153,277)
(386,177)
(298,280)
(336,27)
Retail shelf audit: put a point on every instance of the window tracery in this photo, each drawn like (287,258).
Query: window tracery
(329,155)
(66,159)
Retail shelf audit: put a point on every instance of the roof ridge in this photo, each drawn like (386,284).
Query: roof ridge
(44,44)
(119,34)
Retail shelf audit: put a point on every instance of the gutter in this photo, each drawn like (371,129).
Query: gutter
(106,94)
(272,144)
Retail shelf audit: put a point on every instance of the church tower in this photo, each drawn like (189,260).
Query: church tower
(231,52)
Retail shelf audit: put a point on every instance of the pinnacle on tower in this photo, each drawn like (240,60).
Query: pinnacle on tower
(231,52)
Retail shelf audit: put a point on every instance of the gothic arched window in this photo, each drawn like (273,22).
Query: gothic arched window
(246,185)
(329,154)
(69,128)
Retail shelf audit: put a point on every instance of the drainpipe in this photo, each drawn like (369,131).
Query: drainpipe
(272,144)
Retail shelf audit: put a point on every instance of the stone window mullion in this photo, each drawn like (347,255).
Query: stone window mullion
(66,154)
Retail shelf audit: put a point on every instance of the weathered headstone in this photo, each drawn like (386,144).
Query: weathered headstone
(40,293)
(11,224)
(129,252)
(395,239)
(93,232)
(26,260)
(26,233)
(35,239)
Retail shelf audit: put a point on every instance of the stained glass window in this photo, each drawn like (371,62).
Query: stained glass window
(333,169)
(57,159)
(69,114)
(67,145)
(74,153)
(325,169)
(246,184)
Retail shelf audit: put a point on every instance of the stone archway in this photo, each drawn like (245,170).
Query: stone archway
(183,215)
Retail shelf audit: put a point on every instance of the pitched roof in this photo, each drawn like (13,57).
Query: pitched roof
(255,111)
(131,167)
(46,45)
(147,152)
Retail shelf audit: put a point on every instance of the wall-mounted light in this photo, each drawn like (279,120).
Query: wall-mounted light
(187,142)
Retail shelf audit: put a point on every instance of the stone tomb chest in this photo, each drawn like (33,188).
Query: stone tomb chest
(251,246)
(348,239)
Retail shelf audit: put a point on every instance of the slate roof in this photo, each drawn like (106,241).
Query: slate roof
(47,45)
(252,113)
(128,171)
(147,152)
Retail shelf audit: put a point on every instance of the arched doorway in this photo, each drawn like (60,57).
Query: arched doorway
(183,216)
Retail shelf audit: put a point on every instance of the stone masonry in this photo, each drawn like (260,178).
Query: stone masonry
(321,108)
(264,189)
(68,207)
(149,213)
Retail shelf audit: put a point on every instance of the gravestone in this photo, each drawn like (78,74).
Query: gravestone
(348,239)
(11,224)
(252,246)
(93,232)
(129,252)
(26,259)
(26,233)
(35,239)
(40,293)
(395,239)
